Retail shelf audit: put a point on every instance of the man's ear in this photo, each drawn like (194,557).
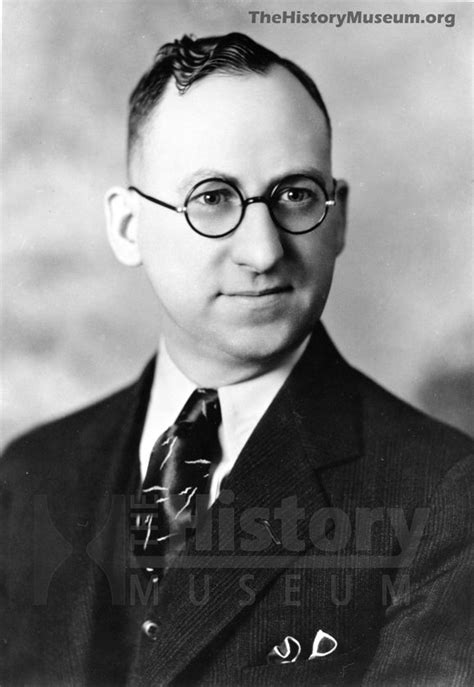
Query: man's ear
(342,196)
(121,215)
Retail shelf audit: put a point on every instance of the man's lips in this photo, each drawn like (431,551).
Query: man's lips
(258,293)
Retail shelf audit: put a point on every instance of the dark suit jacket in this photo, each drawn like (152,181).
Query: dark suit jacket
(347,511)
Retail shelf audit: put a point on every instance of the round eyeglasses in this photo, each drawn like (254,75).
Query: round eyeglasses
(215,207)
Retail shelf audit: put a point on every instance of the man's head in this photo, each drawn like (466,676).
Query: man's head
(230,306)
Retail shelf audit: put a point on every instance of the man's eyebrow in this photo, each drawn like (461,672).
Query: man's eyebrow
(200,175)
(311,171)
(306,171)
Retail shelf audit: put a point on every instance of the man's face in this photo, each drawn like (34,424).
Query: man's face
(249,297)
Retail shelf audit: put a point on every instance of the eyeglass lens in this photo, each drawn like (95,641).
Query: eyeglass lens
(215,207)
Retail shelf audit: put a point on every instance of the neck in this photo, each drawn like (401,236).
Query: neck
(211,372)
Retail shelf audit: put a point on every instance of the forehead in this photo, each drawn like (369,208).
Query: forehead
(248,126)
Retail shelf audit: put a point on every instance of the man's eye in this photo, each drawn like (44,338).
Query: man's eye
(215,197)
(295,195)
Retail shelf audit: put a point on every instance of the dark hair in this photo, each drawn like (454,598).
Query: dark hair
(188,60)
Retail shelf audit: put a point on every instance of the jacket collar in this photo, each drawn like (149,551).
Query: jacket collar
(324,395)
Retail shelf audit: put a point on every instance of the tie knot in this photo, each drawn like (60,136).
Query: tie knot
(201,403)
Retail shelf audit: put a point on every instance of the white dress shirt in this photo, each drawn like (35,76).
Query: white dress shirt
(242,407)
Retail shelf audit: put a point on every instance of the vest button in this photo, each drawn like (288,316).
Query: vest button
(151,630)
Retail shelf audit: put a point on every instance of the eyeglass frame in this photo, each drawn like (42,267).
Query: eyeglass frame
(266,198)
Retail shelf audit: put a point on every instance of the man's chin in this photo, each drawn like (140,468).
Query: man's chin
(265,346)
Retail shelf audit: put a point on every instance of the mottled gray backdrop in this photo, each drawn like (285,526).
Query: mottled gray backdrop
(77,325)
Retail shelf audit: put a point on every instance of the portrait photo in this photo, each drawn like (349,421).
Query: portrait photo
(238,328)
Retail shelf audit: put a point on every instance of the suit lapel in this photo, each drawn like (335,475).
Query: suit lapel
(99,463)
(311,425)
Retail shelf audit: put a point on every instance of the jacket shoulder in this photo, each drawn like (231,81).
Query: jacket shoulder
(55,441)
(389,414)
(406,438)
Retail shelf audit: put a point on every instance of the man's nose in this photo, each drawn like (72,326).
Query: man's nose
(257,243)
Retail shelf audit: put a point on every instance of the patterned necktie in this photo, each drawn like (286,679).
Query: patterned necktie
(178,471)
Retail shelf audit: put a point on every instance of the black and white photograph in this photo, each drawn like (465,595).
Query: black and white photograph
(237,344)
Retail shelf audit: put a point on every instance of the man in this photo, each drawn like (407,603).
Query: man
(252,511)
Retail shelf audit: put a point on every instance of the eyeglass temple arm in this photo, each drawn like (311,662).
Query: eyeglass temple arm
(332,201)
(155,200)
